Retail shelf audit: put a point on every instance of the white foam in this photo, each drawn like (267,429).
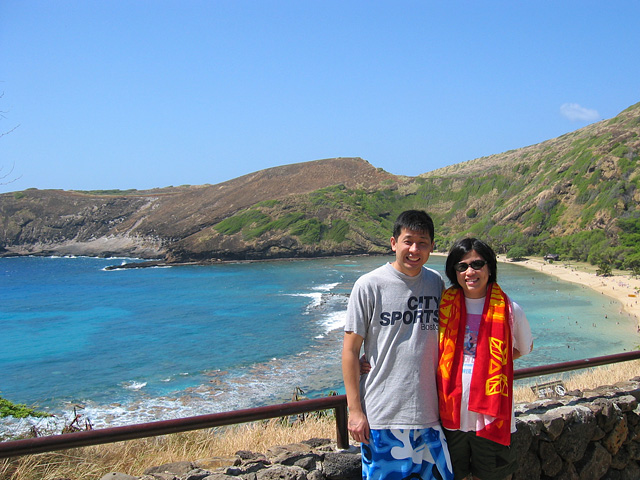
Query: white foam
(334,321)
(316,299)
(327,287)
(134,385)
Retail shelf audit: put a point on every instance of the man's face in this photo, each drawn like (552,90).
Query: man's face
(412,250)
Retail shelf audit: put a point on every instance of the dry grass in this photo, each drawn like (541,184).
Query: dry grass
(133,457)
(585,379)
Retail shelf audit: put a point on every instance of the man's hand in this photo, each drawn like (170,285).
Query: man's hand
(358,427)
(358,424)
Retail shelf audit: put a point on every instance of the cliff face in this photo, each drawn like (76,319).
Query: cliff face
(151,224)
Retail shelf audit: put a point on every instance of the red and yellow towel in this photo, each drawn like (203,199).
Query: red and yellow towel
(491,389)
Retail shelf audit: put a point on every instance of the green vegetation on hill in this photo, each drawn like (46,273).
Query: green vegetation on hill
(576,195)
(329,215)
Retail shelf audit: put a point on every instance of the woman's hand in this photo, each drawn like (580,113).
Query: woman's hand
(365,367)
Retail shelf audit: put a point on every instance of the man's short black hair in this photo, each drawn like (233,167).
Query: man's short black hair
(417,220)
(464,246)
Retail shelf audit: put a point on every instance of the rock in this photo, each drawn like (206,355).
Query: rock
(317,442)
(606,413)
(342,466)
(244,455)
(553,425)
(118,476)
(196,474)
(632,471)
(176,468)
(160,476)
(621,459)
(217,476)
(216,462)
(627,403)
(528,467)
(282,472)
(594,464)
(521,441)
(614,440)
(550,461)
(579,429)
(634,451)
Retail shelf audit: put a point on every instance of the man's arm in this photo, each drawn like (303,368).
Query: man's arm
(358,424)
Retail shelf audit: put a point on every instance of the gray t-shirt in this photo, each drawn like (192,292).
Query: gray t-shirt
(397,315)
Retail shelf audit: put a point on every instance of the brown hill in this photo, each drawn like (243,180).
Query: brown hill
(147,223)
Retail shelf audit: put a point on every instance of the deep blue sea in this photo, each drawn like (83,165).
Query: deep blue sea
(138,345)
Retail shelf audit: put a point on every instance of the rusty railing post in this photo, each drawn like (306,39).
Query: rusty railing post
(342,433)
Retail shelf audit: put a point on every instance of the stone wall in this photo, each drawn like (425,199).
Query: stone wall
(582,436)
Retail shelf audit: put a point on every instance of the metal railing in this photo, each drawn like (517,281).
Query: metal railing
(575,365)
(338,403)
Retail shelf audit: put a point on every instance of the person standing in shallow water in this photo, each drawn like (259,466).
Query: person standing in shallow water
(393,312)
(481,332)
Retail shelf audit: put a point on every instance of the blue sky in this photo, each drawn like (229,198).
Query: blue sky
(143,94)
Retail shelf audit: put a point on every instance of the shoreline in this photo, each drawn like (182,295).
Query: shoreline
(620,286)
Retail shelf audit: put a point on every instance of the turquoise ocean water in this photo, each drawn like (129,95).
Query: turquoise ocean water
(138,345)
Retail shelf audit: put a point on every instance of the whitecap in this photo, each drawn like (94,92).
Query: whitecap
(327,287)
(334,321)
(135,385)
(316,298)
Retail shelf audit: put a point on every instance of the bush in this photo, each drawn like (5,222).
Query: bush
(516,253)
(16,410)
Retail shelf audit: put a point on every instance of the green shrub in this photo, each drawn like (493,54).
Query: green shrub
(309,231)
(234,224)
(338,231)
(516,253)
(17,410)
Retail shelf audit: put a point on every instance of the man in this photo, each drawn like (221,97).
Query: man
(393,311)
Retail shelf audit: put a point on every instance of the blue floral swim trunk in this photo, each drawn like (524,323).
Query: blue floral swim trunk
(399,454)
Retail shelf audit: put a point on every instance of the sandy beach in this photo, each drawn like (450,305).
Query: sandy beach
(620,286)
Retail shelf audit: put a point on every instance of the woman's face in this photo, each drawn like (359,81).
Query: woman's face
(473,282)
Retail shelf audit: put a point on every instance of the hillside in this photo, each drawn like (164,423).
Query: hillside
(148,224)
(562,194)
(576,195)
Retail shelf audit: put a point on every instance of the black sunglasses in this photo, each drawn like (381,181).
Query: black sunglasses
(476,265)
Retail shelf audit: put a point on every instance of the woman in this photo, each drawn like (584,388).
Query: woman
(481,332)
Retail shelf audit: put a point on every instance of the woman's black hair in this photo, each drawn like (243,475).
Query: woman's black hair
(464,246)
